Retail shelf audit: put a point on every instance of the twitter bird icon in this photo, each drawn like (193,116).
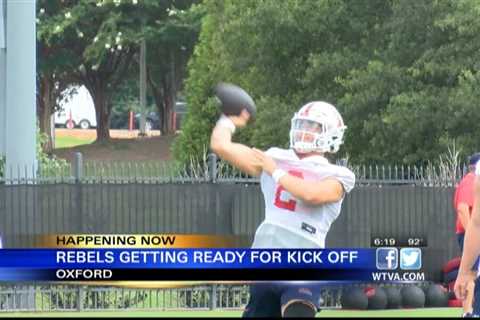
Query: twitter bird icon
(410,258)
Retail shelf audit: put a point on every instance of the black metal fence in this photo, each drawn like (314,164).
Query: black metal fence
(94,298)
(47,298)
(211,198)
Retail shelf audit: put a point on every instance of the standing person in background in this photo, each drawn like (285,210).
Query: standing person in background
(466,204)
(303,195)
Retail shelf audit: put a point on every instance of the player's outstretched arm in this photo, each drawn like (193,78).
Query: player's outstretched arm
(471,247)
(311,192)
(238,155)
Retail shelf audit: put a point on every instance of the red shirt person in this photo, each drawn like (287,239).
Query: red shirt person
(463,200)
(464,204)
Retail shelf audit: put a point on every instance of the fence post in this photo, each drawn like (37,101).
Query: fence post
(212,167)
(78,166)
(80,297)
(213,297)
(78,175)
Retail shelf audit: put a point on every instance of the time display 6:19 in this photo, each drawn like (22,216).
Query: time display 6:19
(384,242)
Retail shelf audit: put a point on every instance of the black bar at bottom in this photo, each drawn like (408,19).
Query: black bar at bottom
(209,274)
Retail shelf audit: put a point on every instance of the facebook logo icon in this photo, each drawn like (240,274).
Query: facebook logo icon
(387,258)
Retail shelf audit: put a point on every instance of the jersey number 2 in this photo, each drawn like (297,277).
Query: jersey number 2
(290,204)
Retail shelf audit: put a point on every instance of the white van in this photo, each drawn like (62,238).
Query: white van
(79,108)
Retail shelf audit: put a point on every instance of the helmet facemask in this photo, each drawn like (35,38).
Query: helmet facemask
(307,135)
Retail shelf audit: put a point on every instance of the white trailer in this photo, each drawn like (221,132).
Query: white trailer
(77,110)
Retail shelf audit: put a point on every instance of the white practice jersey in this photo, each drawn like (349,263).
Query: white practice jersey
(289,222)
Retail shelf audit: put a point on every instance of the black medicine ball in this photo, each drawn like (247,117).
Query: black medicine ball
(354,298)
(436,296)
(394,298)
(413,297)
(377,298)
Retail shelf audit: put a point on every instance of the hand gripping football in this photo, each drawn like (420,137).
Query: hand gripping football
(234,99)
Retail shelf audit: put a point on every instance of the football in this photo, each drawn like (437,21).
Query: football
(234,99)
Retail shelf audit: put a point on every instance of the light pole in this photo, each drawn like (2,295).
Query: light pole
(143,87)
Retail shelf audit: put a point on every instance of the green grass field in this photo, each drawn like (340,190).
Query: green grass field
(67,142)
(410,313)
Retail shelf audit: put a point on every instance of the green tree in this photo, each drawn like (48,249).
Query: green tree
(96,41)
(415,100)
(203,74)
(284,53)
(171,34)
(94,44)
(403,73)
(51,88)
(52,79)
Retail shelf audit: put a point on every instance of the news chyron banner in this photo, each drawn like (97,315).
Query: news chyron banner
(176,257)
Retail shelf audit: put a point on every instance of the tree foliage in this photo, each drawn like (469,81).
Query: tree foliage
(416,100)
(94,43)
(403,73)
(170,42)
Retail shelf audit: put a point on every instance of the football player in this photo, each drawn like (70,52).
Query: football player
(303,195)
(471,250)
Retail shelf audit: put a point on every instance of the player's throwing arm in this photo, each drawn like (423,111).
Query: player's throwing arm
(237,109)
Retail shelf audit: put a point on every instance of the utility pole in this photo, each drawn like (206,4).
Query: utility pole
(20,99)
(3,80)
(143,87)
